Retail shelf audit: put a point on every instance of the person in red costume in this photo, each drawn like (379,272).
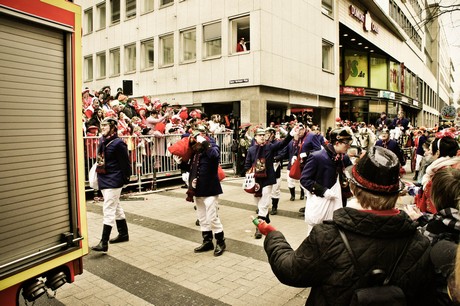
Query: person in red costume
(241,46)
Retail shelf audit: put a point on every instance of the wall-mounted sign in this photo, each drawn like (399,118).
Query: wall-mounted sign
(448,112)
(415,102)
(301,110)
(386,94)
(355,91)
(238,81)
(365,18)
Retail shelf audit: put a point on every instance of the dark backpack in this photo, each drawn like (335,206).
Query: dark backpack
(379,292)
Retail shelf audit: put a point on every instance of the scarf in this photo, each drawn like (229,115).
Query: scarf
(100,159)
(444,225)
(437,164)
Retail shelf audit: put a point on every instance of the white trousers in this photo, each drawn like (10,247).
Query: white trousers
(206,210)
(418,161)
(276,189)
(111,208)
(291,182)
(263,202)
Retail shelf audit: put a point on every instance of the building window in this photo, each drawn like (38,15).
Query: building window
(327,7)
(240,34)
(188,45)
(328,56)
(355,68)
(379,72)
(146,6)
(130,58)
(88,68)
(114,11)
(101,16)
(114,59)
(88,27)
(147,54)
(167,50)
(101,68)
(212,40)
(130,8)
(166,2)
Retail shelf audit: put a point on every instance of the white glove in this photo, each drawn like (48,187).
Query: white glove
(330,195)
(293,132)
(200,139)
(294,158)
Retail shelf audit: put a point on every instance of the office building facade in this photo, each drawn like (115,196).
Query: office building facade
(295,59)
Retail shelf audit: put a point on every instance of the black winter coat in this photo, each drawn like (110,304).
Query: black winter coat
(323,263)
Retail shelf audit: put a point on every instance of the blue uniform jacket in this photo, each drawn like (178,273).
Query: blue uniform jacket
(393,146)
(314,142)
(117,165)
(320,171)
(269,151)
(208,183)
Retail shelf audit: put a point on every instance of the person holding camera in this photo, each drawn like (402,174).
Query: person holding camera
(204,189)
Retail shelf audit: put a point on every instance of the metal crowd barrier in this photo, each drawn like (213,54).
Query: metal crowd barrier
(150,159)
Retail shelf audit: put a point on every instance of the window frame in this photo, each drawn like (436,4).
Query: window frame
(182,45)
(130,64)
(112,13)
(329,57)
(212,40)
(144,54)
(162,50)
(89,22)
(327,8)
(134,10)
(143,6)
(163,4)
(240,27)
(115,62)
(102,24)
(101,64)
(88,71)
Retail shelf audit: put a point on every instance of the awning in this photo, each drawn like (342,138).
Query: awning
(301,110)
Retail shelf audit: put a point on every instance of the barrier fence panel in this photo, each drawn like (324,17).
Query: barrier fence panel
(150,158)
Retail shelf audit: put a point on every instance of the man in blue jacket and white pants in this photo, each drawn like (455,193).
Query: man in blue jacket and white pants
(113,172)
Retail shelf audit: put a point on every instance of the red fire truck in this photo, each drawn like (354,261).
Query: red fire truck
(43,229)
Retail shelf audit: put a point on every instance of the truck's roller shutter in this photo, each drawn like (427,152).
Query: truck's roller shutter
(34,201)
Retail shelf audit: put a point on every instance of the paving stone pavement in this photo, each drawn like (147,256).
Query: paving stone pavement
(158,266)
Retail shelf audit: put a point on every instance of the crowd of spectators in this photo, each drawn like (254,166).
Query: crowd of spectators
(145,117)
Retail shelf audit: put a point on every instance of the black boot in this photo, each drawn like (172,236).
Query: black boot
(415,176)
(103,245)
(207,243)
(274,206)
(122,228)
(292,190)
(302,193)
(220,244)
